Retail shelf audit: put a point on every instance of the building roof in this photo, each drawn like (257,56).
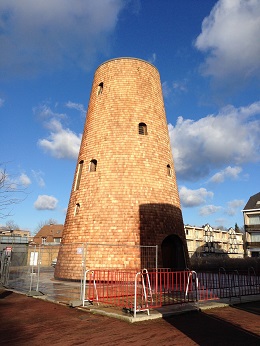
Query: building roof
(47,230)
(253,202)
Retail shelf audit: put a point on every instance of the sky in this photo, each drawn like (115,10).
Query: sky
(207,53)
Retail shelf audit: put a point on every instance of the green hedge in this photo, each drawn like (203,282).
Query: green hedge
(213,263)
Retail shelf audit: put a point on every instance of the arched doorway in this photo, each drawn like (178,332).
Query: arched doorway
(173,253)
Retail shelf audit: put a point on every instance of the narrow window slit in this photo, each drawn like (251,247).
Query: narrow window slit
(142,129)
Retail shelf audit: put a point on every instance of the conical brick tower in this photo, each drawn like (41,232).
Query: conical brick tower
(124,190)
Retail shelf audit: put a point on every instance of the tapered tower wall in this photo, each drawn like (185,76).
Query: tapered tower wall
(124,189)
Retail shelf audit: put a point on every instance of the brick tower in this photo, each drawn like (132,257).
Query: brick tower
(124,190)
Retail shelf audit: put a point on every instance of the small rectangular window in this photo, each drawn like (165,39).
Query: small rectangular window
(169,171)
(93,166)
(79,172)
(76,210)
(142,128)
(100,88)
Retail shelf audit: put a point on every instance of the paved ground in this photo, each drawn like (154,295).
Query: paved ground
(30,321)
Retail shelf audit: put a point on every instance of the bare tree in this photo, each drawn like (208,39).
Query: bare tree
(44,223)
(8,194)
(11,225)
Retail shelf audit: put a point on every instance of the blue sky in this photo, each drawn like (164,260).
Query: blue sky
(207,53)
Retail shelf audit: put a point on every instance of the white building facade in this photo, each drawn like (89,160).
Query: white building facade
(205,241)
(251,214)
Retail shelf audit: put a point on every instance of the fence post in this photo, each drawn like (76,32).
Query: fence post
(194,277)
(135,297)
(156,257)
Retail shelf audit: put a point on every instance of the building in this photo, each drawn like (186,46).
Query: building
(124,191)
(201,241)
(45,245)
(16,241)
(10,236)
(251,214)
(206,241)
(4,231)
(49,235)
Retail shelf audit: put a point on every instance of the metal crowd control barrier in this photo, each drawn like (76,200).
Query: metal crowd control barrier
(137,291)
(146,292)
(192,278)
(113,287)
(232,284)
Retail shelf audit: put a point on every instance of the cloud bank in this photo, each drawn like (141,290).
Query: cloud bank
(62,143)
(230,40)
(37,35)
(232,137)
(193,198)
(228,172)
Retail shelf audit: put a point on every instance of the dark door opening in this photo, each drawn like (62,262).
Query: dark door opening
(173,256)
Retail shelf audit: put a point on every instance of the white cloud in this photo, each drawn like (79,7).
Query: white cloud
(24,179)
(78,106)
(175,87)
(228,172)
(45,112)
(39,34)
(193,198)
(230,137)
(166,89)
(15,183)
(209,210)
(2,101)
(230,37)
(61,143)
(180,86)
(45,202)
(38,177)
(233,206)
(152,59)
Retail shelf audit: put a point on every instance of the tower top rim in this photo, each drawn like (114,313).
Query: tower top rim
(128,58)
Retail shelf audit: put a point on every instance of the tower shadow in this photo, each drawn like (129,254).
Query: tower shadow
(162,224)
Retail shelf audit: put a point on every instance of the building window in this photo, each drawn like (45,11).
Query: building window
(44,240)
(254,219)
(76,210)
(142,129)
(100,88)
(78,177)
(255,237)
(169,171)
(93,166)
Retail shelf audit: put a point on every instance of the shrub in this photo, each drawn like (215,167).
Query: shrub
(214,263)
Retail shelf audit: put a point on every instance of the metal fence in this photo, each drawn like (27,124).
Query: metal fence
(34,273)
(132,290)
(228,284)
(73,258)
(131,256)
(139,290)
(144,290)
